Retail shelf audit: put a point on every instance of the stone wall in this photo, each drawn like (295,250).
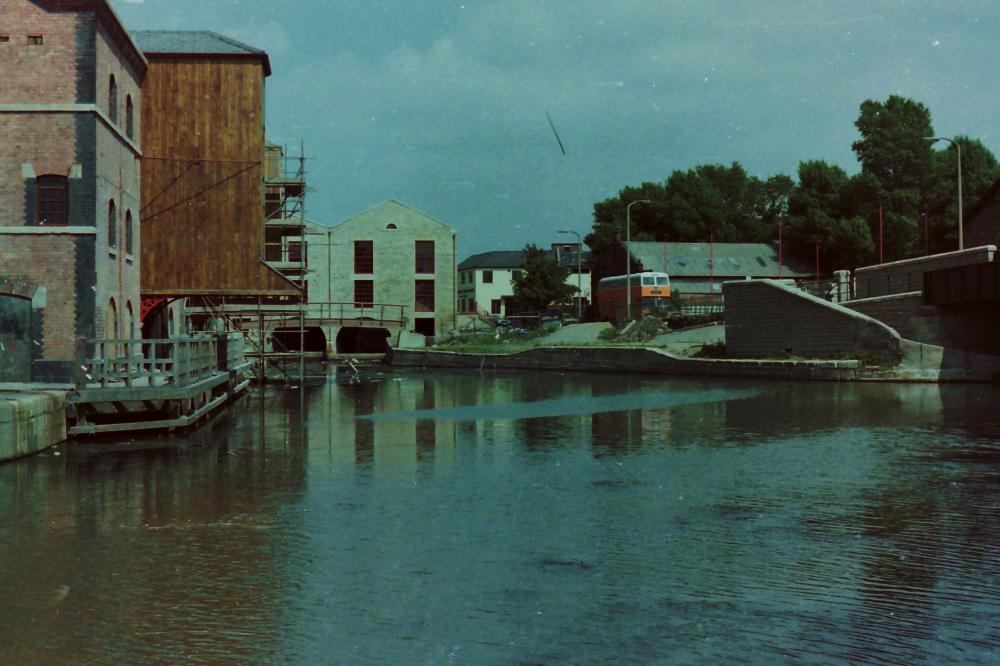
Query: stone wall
(967,327)
(637,360)
(907,275)
(766,319)
(31,422)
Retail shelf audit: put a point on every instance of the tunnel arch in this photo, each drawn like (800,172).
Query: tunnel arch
(362,340)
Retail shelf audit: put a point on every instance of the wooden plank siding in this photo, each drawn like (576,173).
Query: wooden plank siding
(202,220)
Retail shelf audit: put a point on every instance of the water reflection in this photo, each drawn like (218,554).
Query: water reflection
(497,518)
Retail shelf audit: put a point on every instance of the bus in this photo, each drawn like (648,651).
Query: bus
(650,296)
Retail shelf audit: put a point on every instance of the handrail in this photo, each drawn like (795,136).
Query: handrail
(176,361)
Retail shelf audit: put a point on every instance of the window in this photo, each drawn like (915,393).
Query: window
(424,256)
(515,275)
(112,224)
(487,277)
(461,305)
(391,227)
(495,306)
(364,256)
(294,250)
(113,100)
(4,39)
(34,40)
(53,200)
(423,295)
(128,233)
(364,293)
(129,127)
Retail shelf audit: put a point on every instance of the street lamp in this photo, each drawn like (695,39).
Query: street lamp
(628,256)
(958,148)
(579,280)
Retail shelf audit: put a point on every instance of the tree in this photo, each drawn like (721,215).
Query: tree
(979,171)
(821,209)
(542,282)
(693,205)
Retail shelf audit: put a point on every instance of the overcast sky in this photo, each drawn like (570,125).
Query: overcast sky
(442,104)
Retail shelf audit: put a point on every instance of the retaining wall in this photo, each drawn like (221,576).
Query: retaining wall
(968,327)
(767,319)
(637,360)
(30,422)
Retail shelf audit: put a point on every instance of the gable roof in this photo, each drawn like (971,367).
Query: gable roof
(196,42)
(383,212)
(729,259)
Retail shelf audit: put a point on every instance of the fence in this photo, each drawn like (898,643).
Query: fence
(158,362)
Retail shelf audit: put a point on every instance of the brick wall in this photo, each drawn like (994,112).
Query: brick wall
(44,73)
(81,273)
(765,319)
(907,275)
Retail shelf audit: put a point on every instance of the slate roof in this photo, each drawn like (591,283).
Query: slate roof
(757,260)
(194,42)
(511,259)
(495,259)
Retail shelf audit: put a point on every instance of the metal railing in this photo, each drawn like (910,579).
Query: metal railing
(158,362)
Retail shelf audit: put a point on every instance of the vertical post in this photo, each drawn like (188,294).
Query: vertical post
(711,263)
(628,256)
(260,341)
(779,248)
(817,267)
(880,255)
(961,236)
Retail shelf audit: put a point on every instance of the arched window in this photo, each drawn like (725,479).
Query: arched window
(129,126)
(128,232)
(112,224)
(52,199)
(113,100)
(111,324)
(129,321)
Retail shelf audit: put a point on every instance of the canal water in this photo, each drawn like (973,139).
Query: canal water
(487,518)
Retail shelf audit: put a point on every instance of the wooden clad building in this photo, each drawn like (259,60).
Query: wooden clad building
(202,172)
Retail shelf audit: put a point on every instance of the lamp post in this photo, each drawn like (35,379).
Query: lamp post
(628,255)
(958,148)
(579,279)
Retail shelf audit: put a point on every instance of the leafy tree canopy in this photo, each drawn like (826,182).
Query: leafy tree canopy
(903,200)
(542,282)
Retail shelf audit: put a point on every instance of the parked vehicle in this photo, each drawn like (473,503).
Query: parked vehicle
(650,295)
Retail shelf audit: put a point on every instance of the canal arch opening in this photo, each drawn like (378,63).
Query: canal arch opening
(288,339)
(351,340)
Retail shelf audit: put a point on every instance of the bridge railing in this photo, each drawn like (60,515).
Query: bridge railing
(157,362)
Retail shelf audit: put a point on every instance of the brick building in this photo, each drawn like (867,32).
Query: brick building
(69,183)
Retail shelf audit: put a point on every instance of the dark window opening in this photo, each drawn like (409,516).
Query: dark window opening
(113,100)
(487,277)
(112,224)
(128,233)
(364,293)
(364,256)
(34,40)
(495,306)
(424,325)
(424,256)
(423,295)
(53,200)
(4,39)
(294,250)
(129,126)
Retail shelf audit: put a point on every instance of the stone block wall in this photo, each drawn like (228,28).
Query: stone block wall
(969,327)
(766,319)
(907,275)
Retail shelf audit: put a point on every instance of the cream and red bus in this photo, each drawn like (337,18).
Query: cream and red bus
(650,296)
